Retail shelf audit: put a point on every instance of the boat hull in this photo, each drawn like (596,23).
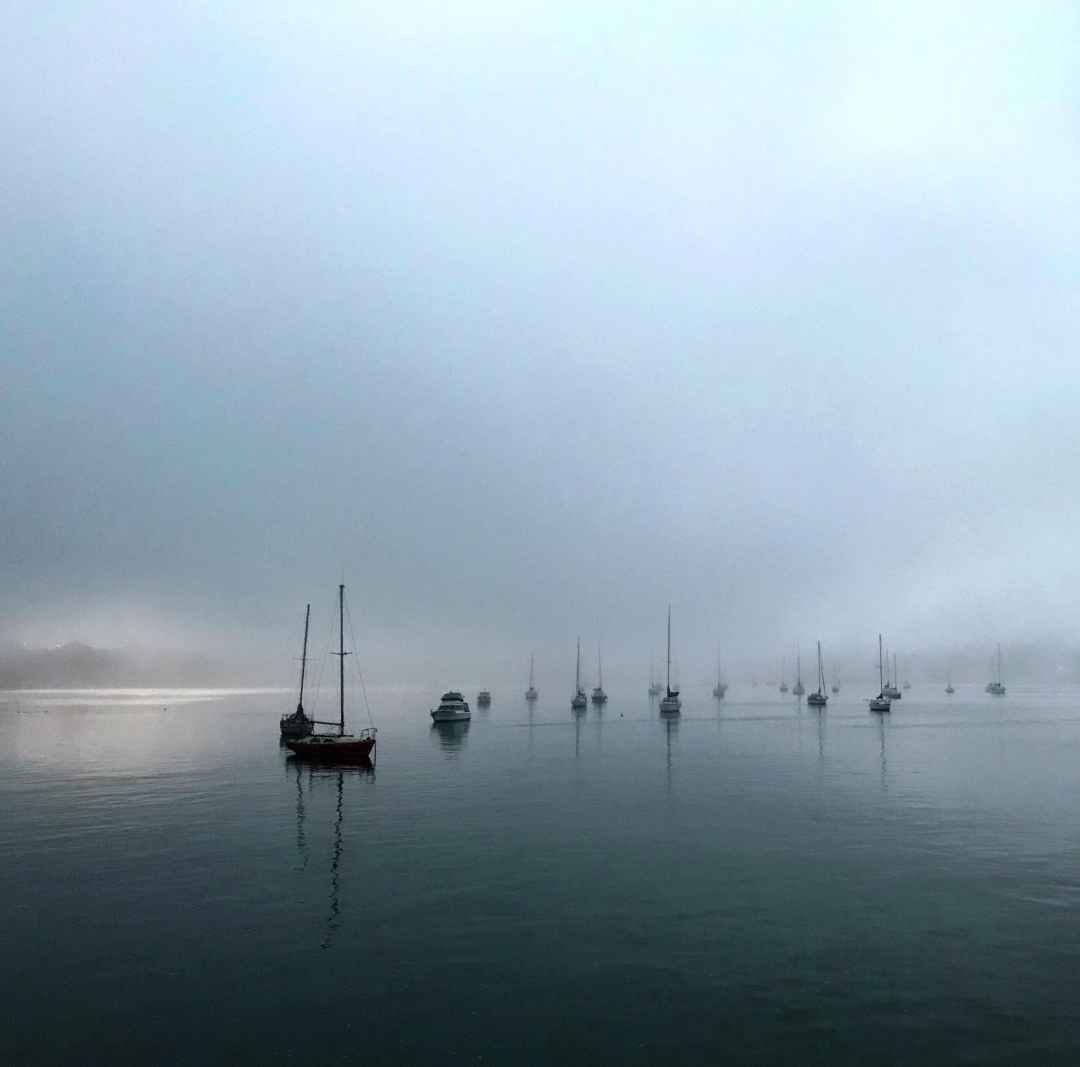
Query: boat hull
(880,705)
(670,706)
(333,749)
(817,700)
(450,716)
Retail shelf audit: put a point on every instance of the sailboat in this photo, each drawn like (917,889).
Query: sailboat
(655,688)
(996,687)
(579,703)
(881,702)
(819,699)
(341,747)
(598,694)
(670,704)
(948,682)
(835,682)
(531,693)
(799,688)
(891,689)
(783,676)
(721,686)
(298,724)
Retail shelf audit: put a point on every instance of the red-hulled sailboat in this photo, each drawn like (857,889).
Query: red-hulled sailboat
(340,747)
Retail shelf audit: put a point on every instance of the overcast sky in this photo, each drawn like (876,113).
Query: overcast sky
(534,317)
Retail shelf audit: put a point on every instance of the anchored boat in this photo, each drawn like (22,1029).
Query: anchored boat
(340,747)
(881,702)
(452,708)
(996,687)
(531,693)
(298,724)
(819,699)
(670,704)
(578,702)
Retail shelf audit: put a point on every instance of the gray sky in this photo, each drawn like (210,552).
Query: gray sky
(532,318)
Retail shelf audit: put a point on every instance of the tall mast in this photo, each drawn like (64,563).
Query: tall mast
(303,660)
(577,669)
(669,648)
(531,671)
(341,654)
(880,669)
(896,675)
(820,670)
(599,669)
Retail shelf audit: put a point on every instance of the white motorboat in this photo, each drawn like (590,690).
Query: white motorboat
(453,707)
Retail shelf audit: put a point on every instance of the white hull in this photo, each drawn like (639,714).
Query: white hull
(438,715)
(670,705)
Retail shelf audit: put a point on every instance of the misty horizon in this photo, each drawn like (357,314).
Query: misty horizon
(528,326)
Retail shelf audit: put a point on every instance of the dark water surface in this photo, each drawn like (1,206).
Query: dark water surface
(754,883)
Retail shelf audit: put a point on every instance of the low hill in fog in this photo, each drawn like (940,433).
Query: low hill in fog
(76,665)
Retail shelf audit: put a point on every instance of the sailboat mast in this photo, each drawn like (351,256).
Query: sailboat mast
(577,669)
(599,669)
(531,671)
(669,648)
(896,675)
(880,669)
(303,660)
(820,670)
(341,660)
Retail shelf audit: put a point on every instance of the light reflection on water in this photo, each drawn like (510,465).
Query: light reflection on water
(752,881)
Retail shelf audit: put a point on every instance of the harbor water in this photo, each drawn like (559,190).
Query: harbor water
(750,882)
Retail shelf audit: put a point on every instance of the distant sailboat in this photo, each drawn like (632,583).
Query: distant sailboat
(996,687)
(881,702)
(819,699)
(835,682)
(721,686)
(579,702)
(670,704)
(598,694)
(948,682)
(891,689)
(298,724)
(783,676)
(531,693)
(655,688)
(799,688)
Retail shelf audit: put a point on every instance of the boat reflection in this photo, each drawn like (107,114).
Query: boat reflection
(309,778)
(301,839)
(884,759)
(449,737)
(671,727)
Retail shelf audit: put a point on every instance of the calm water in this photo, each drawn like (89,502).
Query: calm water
(754,883)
